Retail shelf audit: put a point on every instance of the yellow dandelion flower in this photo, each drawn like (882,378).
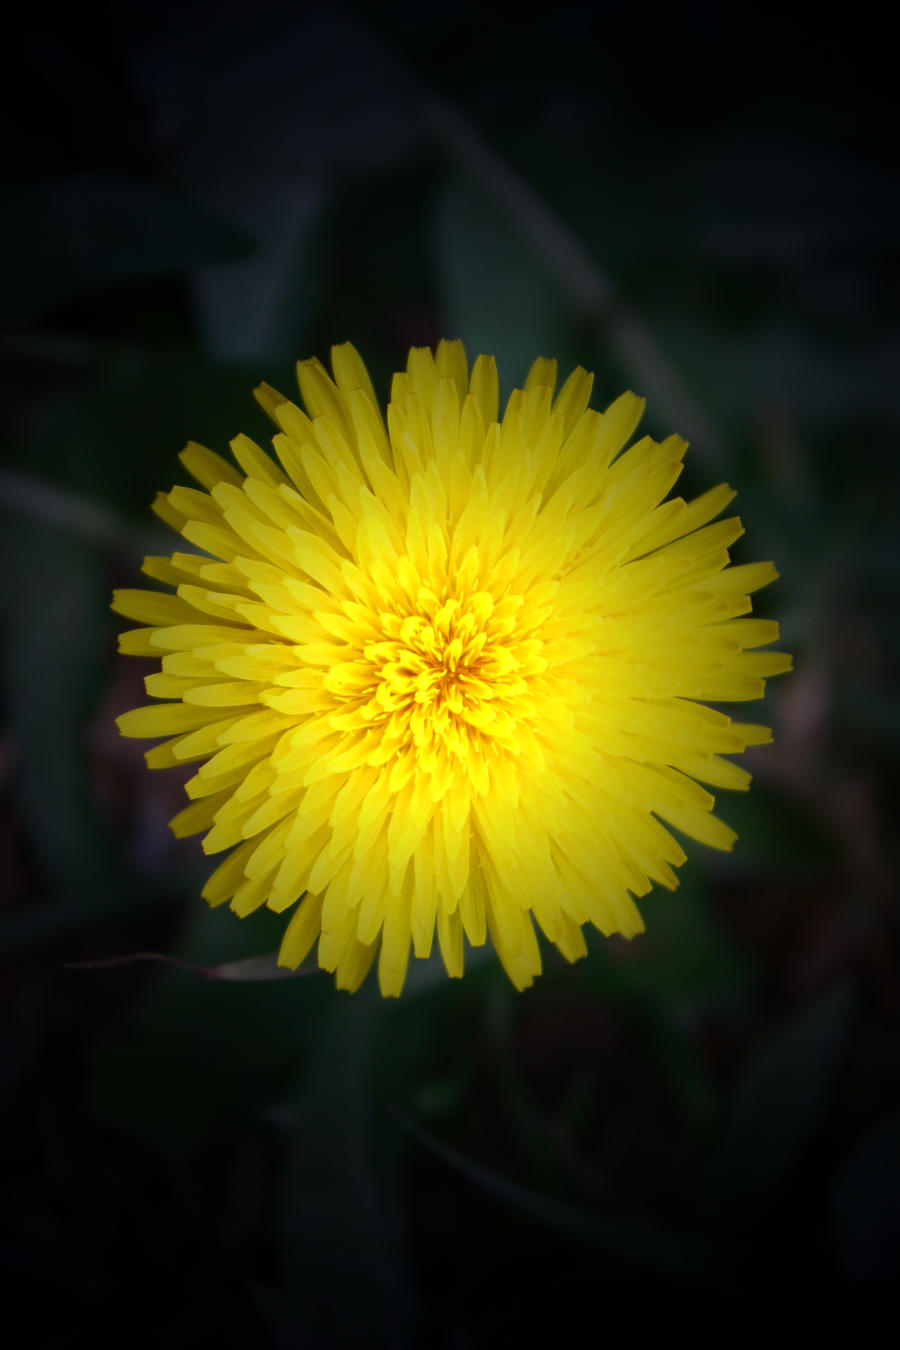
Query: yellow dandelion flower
(449,672)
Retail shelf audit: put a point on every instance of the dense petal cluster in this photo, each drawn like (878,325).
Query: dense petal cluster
(447,673)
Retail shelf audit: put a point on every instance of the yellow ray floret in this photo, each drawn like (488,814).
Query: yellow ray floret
(447,672)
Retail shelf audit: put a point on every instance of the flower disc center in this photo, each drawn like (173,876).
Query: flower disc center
(444,672)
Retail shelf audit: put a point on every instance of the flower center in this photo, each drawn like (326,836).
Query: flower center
(449,672)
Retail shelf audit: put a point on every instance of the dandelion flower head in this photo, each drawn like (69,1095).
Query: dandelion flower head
(447,672)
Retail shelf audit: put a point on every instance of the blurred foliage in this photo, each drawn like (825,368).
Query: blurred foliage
(699,1127)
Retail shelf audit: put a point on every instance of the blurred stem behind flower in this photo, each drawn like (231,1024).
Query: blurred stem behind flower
(447,673)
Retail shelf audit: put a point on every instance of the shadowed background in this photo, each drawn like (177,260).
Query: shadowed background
(700,1129)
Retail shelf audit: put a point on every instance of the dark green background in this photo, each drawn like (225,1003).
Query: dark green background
(698,1132)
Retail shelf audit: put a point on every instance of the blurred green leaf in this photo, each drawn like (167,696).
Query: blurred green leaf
(56,622)
(505,232)
(498,295)
(780,363)
(310,94)
(257,308)
(779,1102)
(684,961)
(612,972)
(343,1241)
(201,1056)
(535,1144)
(114,437)
(439,1097)
(67,234)
(775,830)
(668,1253)
(35,501)
(265,134)
(865,1206)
